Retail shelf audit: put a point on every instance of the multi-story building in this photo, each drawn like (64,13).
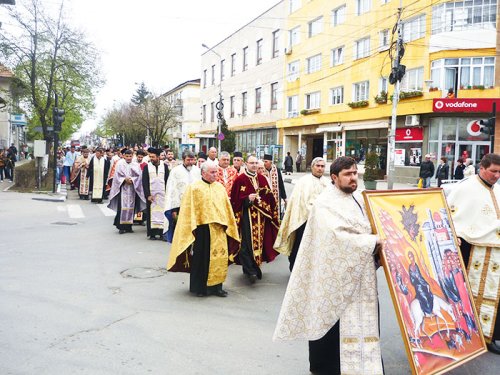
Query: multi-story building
(6,135)
(337,95)
(185,98)
(246,68)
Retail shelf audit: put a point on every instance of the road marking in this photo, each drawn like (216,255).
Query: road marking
(75,211)
(105,210)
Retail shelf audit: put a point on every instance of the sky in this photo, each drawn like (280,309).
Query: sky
(157,42)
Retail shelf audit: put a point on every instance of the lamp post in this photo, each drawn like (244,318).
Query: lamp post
(220,105)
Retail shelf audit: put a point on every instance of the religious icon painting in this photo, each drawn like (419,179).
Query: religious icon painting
(427,278)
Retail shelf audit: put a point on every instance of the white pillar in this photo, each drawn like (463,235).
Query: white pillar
(325,145)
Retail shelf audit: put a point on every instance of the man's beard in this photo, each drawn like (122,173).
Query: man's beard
(348,189)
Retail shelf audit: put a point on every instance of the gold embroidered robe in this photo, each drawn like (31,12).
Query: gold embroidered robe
(305,191)
(204,203)
(476,217)
(334,278)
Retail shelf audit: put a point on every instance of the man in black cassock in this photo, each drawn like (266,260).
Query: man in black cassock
(98,171)
(154,181)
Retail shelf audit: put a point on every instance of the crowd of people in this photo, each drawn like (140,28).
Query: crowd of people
(8,159)
(464,167)
(215,214)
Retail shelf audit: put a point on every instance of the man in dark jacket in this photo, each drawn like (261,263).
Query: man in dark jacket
(426,171)
(442,171)
(459,170)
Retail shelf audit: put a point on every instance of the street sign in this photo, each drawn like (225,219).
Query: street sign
(220,137)
(18,119)
(40,129)
(464,105)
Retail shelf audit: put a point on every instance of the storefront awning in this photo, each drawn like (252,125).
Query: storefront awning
(362,125)
(335,128)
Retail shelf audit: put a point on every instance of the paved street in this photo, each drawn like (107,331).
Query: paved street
(78,298)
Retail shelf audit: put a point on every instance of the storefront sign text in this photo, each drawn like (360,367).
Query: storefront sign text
(464,105)
(413,134)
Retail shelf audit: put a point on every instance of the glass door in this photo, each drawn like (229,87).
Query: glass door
(472,150)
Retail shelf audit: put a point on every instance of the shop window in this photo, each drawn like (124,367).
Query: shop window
(449,129)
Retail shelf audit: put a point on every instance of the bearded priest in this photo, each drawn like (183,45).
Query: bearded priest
(331,299)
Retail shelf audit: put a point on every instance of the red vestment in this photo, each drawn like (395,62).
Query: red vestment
(226,177)
(263,214)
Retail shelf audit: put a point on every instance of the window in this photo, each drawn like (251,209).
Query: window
(363,6)
(259,52)
(212,112)
(244,104)
(337,56)
(413,80)
(384,39)
(385,1)
(276,44)
(461,15)
(294,36)
(258,96)
(313,64)
(293,71)
(337,95)
(292,106)
(245,58)
(213,74)
(233,64)
(315,27)
(274,96)
(360,91)
(222,70)
(361,48)
(204,113)
(204,78)
(382,84)
(472,71)
(293,5)
(413,29)
(231,107)
(313,100)
(338,15)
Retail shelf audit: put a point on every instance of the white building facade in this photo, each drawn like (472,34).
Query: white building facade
(6,134)
(186,99)
(247,68)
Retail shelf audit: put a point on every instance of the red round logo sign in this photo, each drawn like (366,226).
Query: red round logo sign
(474,128)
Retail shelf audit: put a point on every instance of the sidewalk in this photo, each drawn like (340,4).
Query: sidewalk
(382,185)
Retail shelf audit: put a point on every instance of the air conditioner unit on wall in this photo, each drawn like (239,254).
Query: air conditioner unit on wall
(412,120)
(288,50)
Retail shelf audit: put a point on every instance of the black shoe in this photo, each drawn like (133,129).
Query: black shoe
(220,293)
(121,231)
(200,295)
(129,231)
(252,278)
(494,347)
(152,238)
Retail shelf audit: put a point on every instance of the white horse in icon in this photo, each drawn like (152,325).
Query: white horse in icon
(417,315)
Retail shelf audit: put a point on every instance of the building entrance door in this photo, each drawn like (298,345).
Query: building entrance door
(473,150)
(317,148)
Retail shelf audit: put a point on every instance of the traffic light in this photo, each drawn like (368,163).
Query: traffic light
(488,126)
(58,119)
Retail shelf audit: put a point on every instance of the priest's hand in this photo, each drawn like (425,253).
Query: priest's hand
(252,197)
(174,215)
(151,199)
(379,246)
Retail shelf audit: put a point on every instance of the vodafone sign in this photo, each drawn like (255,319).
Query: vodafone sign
(464,105)
(413,134)
(474,128)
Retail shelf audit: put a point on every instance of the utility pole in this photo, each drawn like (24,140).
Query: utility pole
(58,119)
(397,73)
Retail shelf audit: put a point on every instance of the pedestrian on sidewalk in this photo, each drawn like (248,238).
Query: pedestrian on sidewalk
(442,171)
(298,161)
(10,164)
(426,171)
(3,162)
(288,164)
(69,160)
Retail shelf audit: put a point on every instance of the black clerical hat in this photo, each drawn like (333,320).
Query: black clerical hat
(202,155)
(268,157)
(237,154)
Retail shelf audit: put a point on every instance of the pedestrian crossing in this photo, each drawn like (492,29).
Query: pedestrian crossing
(85,210)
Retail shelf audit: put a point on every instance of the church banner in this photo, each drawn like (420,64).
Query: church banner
(427,278)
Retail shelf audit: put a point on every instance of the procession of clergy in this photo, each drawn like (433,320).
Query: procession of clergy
(215,214)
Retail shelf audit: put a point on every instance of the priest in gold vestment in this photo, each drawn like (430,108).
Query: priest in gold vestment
(331,299)
(299,205)
(474,204)
(206,237)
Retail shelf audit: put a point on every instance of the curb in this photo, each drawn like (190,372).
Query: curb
(60,196)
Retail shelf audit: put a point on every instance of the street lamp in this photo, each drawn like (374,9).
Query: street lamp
(220,105)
